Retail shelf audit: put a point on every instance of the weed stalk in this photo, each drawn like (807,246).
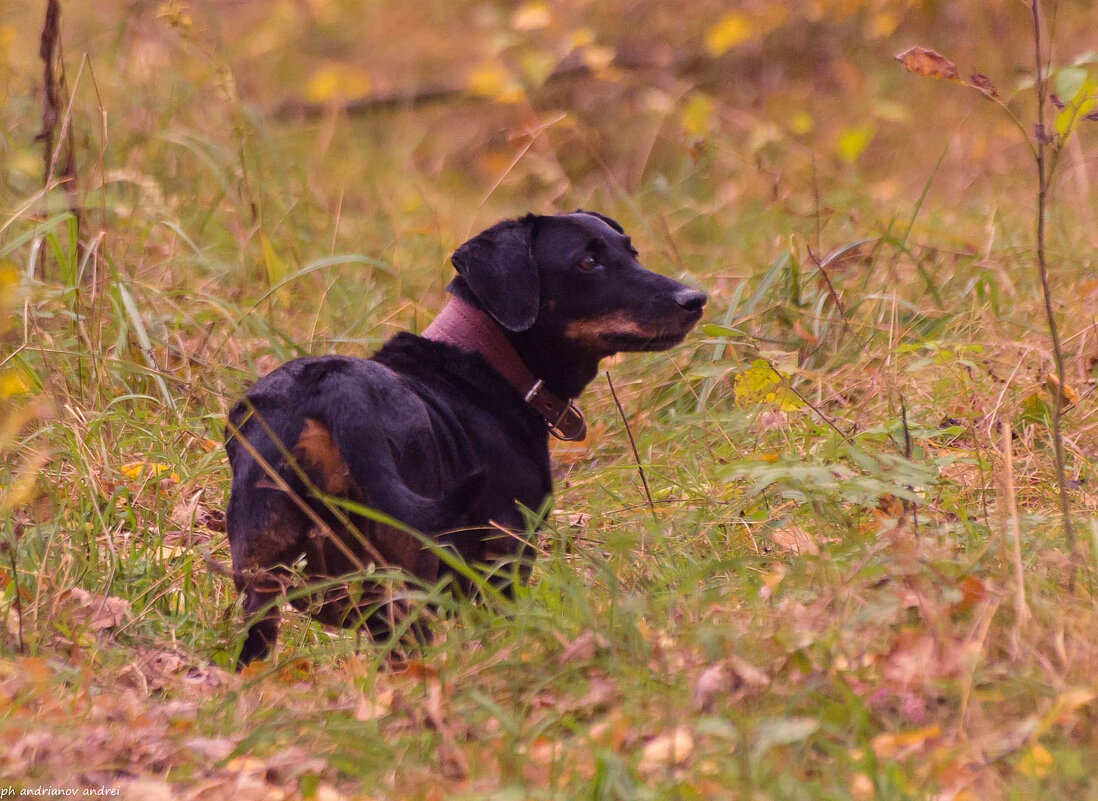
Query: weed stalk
(1044,175)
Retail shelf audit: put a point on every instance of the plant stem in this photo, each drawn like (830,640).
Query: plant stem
(1044,176)
(633,445)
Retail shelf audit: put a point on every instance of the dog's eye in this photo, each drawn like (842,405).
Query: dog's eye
(589,264)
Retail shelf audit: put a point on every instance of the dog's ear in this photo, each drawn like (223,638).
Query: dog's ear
(498,265)
(612,223)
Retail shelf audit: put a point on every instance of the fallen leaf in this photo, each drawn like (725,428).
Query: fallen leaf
(377,705)
(929,63)
(1068,395)
(897,745)
(326,792)
(771,581)
(796,540)
(603,692)
(95,612)
(782,731)
(666,751)
(733,676)
(973,591)
(861,788)
(583,647)
(713,681)
(213,750)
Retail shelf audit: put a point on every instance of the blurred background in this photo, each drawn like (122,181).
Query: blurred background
(437,117)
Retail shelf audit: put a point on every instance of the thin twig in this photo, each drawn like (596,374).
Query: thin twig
(633,445)
(17,602)
(1044,176)
(58,147)
(817,256)
(800,396)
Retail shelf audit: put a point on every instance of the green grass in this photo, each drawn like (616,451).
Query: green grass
(822,604)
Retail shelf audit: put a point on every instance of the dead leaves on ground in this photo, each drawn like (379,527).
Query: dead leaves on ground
(731,679)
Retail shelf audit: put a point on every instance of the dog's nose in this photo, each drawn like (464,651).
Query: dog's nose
(690,300)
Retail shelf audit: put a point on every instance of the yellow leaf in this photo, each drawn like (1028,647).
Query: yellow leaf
(136,470)
(1064,121)
(762,384)
(531,17)
(9,282)
(1067,703)
(853,141)
(537,67)
(581,37)
(772,580)
(1035,762)
(333,82)
(12,383)
(891,745)
(276,268)
(20,491)
(246,765)
(731,30)
(597,58)
(1068,395)
(493,81)
(801,123)
(882,24)
(697,116)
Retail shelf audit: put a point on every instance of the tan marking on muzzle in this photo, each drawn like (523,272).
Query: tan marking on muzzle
(318,455)
(590,330)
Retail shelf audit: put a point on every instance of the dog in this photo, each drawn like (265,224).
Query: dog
(446,434)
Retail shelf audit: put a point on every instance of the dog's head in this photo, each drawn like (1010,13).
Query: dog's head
(574,280)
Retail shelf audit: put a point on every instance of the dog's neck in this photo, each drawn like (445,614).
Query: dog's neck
(464,325)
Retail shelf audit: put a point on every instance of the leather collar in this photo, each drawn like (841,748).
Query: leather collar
(469,328)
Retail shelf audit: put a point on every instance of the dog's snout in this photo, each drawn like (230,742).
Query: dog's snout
(690,300)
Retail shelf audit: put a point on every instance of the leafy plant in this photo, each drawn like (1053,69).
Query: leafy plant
(1075,101)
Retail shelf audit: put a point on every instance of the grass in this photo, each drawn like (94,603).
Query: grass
(823,603)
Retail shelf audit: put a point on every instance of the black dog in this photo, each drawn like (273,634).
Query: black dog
(446,433)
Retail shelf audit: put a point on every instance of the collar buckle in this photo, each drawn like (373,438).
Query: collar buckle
(565,420)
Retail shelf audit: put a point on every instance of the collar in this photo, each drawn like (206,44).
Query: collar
(468,328)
